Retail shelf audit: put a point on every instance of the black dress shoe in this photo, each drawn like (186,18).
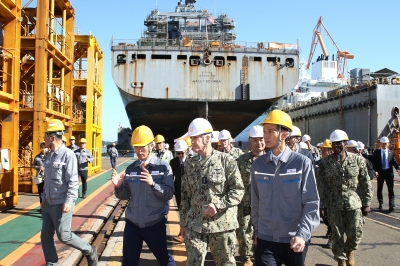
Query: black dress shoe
(380,207)
(391,209)
(84,196)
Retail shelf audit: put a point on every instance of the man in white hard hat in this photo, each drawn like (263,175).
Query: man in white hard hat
(345,190)
(314,150)
(384,160)
(211,190)
(177,166)
(284,197)
(294,142)
(245,231)
(226,144)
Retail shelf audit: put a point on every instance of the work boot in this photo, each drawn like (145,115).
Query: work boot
(341,263)
(91,257)
(247,262)
(351,259)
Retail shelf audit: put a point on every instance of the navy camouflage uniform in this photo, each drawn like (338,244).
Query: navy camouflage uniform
(245,231)
(212,179)
(337,185)
(235,152)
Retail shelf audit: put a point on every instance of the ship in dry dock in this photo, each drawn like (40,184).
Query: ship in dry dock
(189,64)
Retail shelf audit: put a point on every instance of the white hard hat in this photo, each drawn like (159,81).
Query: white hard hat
(352,144)
(224,134)
(256,131)
(384,140)
(303,145)
(360,145)
(295,132)
(166,145)
(181,145)
(319,144)
(214,138)
(305,138)
(199,126)
(338,135)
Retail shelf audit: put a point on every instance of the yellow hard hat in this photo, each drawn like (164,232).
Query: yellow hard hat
(278,117)
(113,144)
(82,140)
(142,136)
(326,144)
(55,125)
(72,138)
(189,142)
(64,139)
(159,138)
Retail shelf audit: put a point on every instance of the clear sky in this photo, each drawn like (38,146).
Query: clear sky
(368,29)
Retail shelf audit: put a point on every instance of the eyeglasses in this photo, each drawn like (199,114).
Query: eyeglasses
(179,153)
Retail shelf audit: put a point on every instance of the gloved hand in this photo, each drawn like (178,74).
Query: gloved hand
(365,210)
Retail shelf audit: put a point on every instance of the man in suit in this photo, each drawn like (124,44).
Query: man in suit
(383,160)
(177,166)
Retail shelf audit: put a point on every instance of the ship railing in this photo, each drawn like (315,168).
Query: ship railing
(200,40)
(59,37)
(57,99)
(77,116)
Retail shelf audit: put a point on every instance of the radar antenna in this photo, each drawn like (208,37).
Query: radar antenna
(190,2)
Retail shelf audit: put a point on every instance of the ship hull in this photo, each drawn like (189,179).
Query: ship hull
(171,118)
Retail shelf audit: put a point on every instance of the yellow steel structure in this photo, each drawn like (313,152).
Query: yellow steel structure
(87,97)
(10,16)
(47,56)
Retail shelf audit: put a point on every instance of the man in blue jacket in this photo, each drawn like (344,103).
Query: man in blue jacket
(284,197)
(148,185)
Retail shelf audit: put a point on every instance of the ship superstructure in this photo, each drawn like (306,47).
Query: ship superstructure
(189,64)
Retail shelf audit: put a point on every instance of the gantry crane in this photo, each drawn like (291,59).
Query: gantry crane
(341,56)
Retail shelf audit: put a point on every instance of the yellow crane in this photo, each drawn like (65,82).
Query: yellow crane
(341,56)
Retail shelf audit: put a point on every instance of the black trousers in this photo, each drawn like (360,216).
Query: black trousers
(273,253)
(40,190)
(83,175)
(385,175)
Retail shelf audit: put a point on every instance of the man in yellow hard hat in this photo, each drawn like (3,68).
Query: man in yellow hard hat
(148,185)
(161,152)
(211,190)
(59,196)
(72,147)
(245,232)
(284,197)
(84,158)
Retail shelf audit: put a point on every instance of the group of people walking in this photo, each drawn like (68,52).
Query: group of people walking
(269,199)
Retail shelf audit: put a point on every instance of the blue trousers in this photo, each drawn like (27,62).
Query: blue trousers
(113,160)
(156,238)
(274,253)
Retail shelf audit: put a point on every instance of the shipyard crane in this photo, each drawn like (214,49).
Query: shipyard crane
(341,56)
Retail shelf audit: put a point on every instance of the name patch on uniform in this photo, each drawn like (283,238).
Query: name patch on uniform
(291,170)
(155,172)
